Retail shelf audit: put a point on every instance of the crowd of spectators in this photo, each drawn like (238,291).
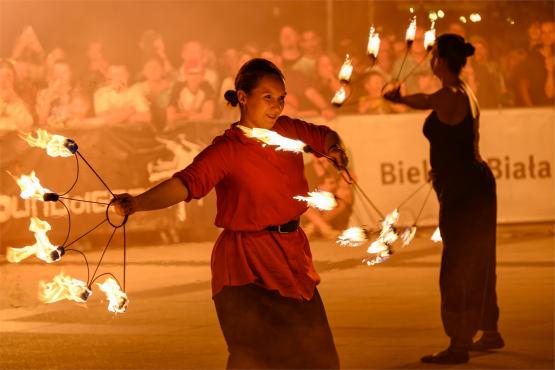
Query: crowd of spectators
(43,88)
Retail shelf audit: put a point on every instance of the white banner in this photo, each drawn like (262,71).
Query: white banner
(390,157)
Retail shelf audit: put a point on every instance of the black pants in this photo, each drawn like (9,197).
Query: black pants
(264,330)
(467,224)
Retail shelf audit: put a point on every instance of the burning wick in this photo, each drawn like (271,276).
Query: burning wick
(63,287)
(373,45)
(430,38)
(42,248)
(408,235)
(377,259)
(55,145)
(410,32)
(436,236)
(381,247)
(339,97)
(269,137)
(346,70)
(30,187)
(321,200)
(117,298)
(353,237)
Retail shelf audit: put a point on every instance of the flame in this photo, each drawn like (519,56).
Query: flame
(54,144)
(475,17)
(436,236)
(353,237)
(42,248)
(117,298)
(346,70)
(63,287)
(378,258)
(388,235)
(339,97)
(440,13)
(269,137)
(433,16)
(407,235)
(322,200)
(462,18)
(373,43)
(377,246)
(430,38)
(30,186)
(411,30)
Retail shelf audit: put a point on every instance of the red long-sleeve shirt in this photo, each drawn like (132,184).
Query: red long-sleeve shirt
(255,186)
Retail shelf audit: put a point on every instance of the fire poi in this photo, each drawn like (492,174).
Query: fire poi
(63,286)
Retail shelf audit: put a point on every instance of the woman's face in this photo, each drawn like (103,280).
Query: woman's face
(263,104)
(437,63)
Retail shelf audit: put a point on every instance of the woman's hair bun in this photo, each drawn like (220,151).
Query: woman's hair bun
(468,49)
(231,97)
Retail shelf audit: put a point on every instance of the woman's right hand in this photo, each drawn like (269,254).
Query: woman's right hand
(125,204)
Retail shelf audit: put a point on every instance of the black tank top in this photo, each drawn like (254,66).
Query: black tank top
(454,148)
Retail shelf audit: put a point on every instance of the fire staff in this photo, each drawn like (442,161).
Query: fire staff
(465,187)
(263,278)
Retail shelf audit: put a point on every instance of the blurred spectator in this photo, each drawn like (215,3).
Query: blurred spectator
(26,87)
(290,51)
(427,83)
(534,76)
(302,99)
(28,48)
(548,52)
(117,103)
(327,82)
(373,102)
(487,77)
(192,99)
(510,63)
(251,48)
(80,112)
(152,44)
(96,67)
(457,28)
(311,46)
(321,175)
(14,115)
(534,35)
(53,102)
(51,59)
(384,62)
(156,88)
(193,52)
(414,64)
(399,47)
(229,65)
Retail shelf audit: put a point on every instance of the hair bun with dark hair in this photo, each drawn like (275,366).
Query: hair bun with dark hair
(469,49)
(231,97)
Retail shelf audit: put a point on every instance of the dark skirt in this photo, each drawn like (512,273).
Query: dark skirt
(264,330)
(467,222)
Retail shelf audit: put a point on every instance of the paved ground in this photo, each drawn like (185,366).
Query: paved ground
(383,317)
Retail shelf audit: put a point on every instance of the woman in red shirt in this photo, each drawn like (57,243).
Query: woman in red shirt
(263,279)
